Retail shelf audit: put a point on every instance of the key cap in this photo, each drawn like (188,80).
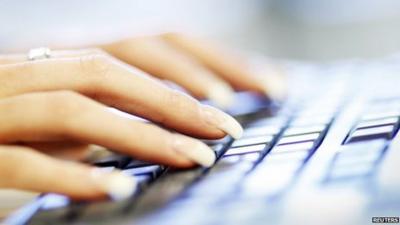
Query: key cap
(232,159)
(287,156)
(269,179)
(307,121)
(252,141)
(53,201)
(165,188)
(371,133)
(360,152)
(245,149)
(251,157)
(153,171)
(137,163)
(377,122)
(277,121)
(303,146)
(351,171)
(115,160)
(261,131)
(304,130)
(356,159)
(298,138)
(381,115)
(222,178)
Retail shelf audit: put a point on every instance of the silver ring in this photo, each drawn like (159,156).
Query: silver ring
(39,53)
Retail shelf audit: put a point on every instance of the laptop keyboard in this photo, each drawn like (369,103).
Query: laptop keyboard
(275,148)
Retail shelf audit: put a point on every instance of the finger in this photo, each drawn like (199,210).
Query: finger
(24,168)
(156,57)
(66,115)
(18,58)
(121,86)
(237,71)
(67,150)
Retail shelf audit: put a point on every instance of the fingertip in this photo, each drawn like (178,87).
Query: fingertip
(274,87)
(221,94)
(115,184)
(194,150)
(222,121)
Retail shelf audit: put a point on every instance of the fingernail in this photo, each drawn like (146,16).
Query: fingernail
(223,121)
(115,184)
(221,94)
(194,150)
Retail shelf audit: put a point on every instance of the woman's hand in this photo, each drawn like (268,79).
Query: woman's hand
(201,67)
(61,103)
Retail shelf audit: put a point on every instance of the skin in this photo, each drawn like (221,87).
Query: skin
(55,109)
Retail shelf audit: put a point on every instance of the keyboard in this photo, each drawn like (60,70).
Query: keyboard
(327,152)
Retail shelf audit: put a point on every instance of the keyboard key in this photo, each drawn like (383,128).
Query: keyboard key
(304,130)
(245,149)
(251,157)
(356,159)
(54,201)
(381,115)
(232,159)
(311,120)
(371,133)
(377,122)
(112,159)
(276,121)
(252,141)
(317,111)
(269,179)
(298,138)
(137,163)
(303,146)
(222,178)
(287,156)
(261,131)
(351,171)
(360,152)
(153,171)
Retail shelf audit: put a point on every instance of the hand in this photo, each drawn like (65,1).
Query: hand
(201,67)
(60,104)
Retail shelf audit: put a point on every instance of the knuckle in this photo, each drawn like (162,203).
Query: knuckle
(96,51)
(95,67)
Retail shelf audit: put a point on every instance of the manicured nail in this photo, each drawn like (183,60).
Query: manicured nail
(221,94)
(223,121)
(115,184)
(194,150)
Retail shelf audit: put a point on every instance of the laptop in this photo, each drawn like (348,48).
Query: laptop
(329,154)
